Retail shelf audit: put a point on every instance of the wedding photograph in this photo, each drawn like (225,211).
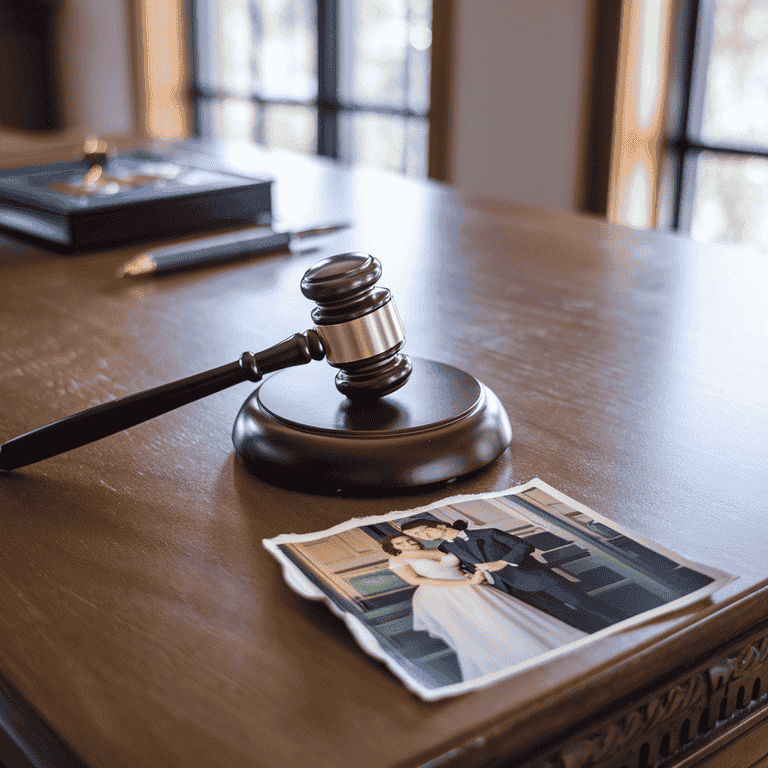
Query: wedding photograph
(459,594)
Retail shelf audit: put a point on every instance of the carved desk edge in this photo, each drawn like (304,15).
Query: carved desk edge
(686,713)
(679,717)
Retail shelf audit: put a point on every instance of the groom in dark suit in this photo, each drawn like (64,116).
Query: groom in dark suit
(514,566)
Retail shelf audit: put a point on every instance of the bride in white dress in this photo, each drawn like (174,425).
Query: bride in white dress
(488,630)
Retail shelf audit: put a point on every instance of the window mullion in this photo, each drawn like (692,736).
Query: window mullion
(328,78)
(195,97)
(683,166)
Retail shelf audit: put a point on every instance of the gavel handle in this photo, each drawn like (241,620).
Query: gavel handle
(116,415)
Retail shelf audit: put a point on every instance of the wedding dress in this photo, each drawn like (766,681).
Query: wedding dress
(488,629)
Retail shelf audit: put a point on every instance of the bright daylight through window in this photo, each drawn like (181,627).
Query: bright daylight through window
(728,123)
(337,77)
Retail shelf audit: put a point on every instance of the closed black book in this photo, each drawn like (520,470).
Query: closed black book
(73,207)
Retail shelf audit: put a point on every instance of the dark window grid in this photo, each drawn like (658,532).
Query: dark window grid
(694,30)
(201,93)
(328,104)
(328,117)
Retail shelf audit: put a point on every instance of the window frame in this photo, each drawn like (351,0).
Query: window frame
(329,105)
(694,31)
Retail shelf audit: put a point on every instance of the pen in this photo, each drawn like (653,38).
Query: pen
(208,250)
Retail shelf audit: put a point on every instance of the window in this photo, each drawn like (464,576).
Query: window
(342,78)
(719,170)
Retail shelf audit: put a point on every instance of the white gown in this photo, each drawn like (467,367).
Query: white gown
(488,629)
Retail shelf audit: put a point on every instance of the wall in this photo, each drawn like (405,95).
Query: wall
(518,110)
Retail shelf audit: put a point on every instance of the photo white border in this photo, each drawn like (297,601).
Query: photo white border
(298,581)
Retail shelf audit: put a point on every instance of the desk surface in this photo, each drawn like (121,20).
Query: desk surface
(142,621)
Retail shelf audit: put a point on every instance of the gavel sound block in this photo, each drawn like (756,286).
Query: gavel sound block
(388,422)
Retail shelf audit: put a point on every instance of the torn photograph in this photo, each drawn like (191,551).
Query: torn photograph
(469,590)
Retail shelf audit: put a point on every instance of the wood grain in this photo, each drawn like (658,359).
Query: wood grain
(143,621)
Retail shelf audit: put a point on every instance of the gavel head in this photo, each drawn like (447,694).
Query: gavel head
(358,325)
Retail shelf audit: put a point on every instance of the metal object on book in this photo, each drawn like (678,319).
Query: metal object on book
(95,151)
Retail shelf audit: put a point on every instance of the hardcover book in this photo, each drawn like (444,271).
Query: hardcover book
(75,206)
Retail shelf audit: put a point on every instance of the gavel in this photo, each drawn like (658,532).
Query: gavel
(357,329)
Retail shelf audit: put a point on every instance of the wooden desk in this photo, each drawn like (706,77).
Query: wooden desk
(142,622)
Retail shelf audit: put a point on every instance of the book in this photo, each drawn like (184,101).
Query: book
(75,206)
